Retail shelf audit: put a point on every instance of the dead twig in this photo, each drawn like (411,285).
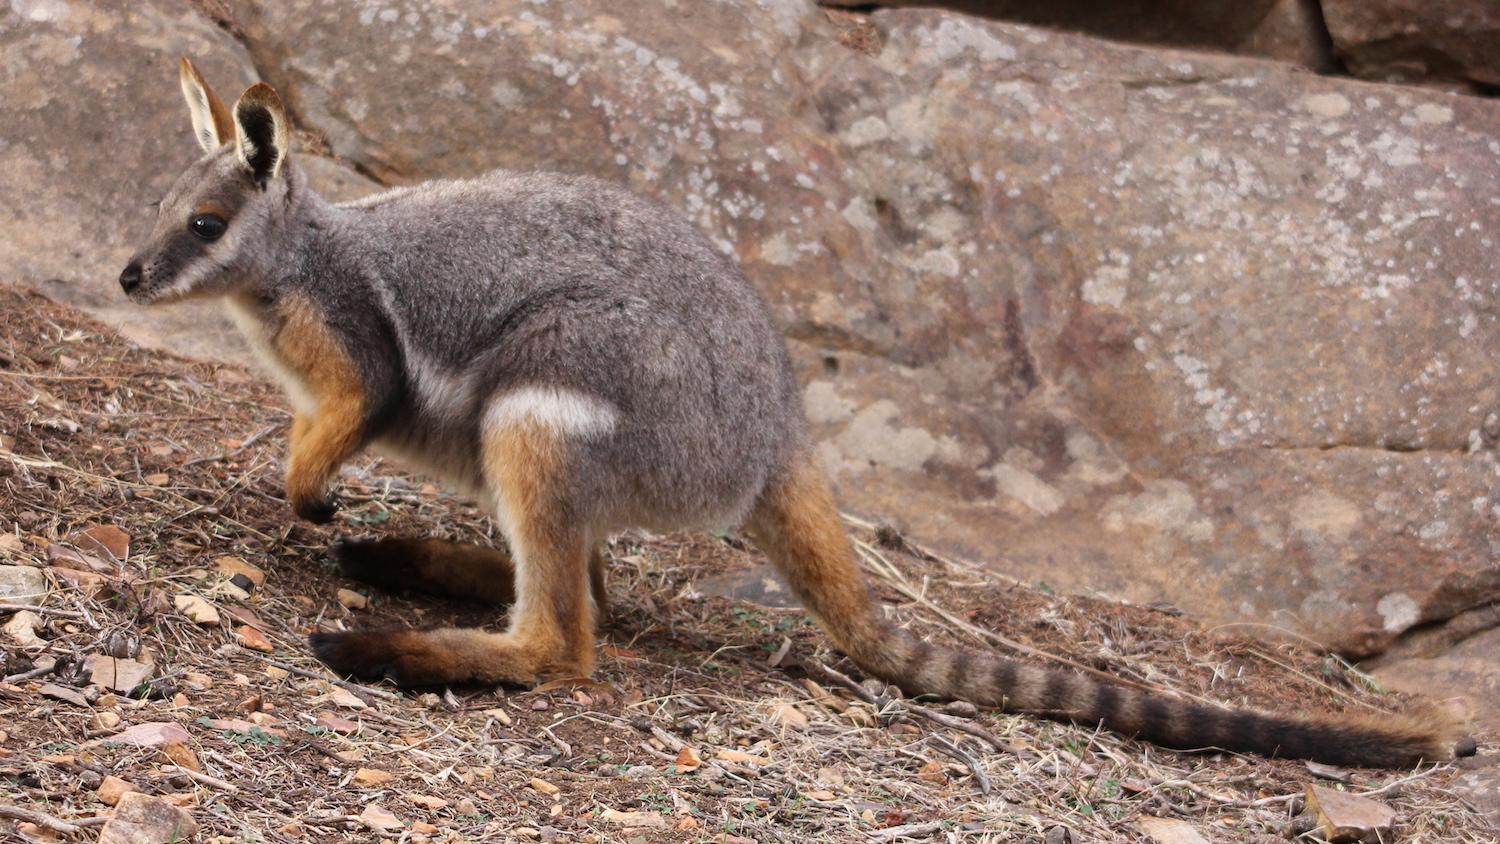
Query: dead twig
(981,779)
(61,613)
(46,821)
(205,779)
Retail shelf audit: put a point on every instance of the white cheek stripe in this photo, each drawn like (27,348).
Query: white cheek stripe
(563,410)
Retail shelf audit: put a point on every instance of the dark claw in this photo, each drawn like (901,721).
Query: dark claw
(319,512)
(348,654)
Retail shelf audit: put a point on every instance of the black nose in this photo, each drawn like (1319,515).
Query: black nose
(131,278)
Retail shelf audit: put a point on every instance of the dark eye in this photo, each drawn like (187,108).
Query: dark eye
(207,226)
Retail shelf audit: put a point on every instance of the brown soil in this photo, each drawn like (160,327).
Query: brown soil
(184,458)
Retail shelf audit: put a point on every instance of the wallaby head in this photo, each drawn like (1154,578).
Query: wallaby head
(214,226)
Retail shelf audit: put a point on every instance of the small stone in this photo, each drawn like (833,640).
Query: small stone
(372,776)
(198,609)
(334,724)
(427,801)
(182,756)
(119,675)
(253,639)
(89,584)
(352,599)
(106,541)
(1349,817)
(499,715)
(424,828)
(11,544)
(789,716)
(143,819)
(112,788)
(961,709)
(741,758)
(153,734)
(157,479)
(342,697)
(376,816)
(62,693)
(688,760)
(22,627)
(231,566)
(543,786)
(465,806)
(22,585)
(67,557)
(821,795)
(105,720)
(1163,830)
(933,772)
(633,819)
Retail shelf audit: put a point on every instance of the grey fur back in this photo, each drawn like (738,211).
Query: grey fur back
(541,279)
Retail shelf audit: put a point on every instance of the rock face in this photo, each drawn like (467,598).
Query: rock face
(1289,30)
(1167,325)
(90,128)
(85,150)
(1440,41)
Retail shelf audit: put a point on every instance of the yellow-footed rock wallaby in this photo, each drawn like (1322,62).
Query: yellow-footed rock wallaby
(584,361)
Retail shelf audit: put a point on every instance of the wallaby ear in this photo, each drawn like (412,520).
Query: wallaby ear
(213,126)
(263,133)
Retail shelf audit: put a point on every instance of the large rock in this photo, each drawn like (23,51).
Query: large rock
(1171,326)
(1233,325)
(90,135)
(1289,30)
(1447,42)
(93,130)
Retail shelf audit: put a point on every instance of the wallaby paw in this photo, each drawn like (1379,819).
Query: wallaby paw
(378,562)
(319,511)
(395,655)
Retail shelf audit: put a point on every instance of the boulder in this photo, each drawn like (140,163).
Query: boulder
(1211,331)
(1450,43)
(1289,30)
(85,161)
(1170,326)
(89,88)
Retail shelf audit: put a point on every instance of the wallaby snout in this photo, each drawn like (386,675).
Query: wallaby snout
(130,278)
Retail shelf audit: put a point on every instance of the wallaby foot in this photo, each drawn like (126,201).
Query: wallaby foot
(416,658)
(445,569)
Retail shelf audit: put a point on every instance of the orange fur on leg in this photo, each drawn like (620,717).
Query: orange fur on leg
(551,631)
(322,441)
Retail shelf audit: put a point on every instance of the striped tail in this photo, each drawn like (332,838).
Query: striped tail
(796,524)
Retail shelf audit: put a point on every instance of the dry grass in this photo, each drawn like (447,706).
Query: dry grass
(686,726)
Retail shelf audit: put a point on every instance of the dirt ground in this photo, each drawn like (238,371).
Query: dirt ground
(139,483)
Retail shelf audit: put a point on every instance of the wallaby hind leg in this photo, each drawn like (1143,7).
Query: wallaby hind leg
(551,631)
(445,569)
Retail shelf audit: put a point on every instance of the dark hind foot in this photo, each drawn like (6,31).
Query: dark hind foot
(395,655)
(432,566)
(440,656)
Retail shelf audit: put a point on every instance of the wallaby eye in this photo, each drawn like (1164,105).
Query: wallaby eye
(207,226)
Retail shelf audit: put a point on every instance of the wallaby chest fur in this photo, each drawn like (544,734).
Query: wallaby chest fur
(567,291)
(586,361)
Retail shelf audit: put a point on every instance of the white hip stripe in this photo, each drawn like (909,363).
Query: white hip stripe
(563,410)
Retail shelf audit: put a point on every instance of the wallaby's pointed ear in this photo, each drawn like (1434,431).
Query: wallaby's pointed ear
(213,125)
(263,133)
